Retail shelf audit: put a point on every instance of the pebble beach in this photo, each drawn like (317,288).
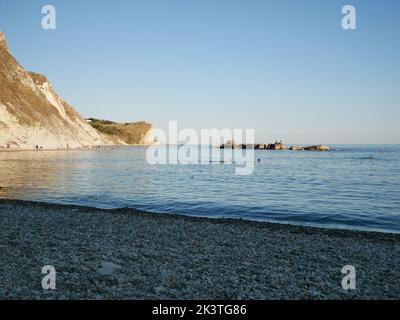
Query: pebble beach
(130,254)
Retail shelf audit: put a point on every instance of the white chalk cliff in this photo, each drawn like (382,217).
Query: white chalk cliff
(32,114)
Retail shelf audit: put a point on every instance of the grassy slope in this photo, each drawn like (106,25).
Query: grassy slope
(130,133)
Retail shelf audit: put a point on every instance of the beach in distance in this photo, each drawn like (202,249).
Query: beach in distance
(159,256)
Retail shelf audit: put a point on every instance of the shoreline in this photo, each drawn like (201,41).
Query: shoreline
(131,254)
(101,148)
(133,211)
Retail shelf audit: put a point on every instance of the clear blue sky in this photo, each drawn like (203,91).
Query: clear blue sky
(285,68)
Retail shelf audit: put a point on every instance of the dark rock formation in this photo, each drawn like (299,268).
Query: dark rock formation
(276,146)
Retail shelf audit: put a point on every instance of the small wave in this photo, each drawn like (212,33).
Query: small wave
(365,158)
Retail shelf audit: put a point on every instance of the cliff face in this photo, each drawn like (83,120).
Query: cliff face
(32,114)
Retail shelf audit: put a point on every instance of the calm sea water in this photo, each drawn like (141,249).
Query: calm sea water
(356,187)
